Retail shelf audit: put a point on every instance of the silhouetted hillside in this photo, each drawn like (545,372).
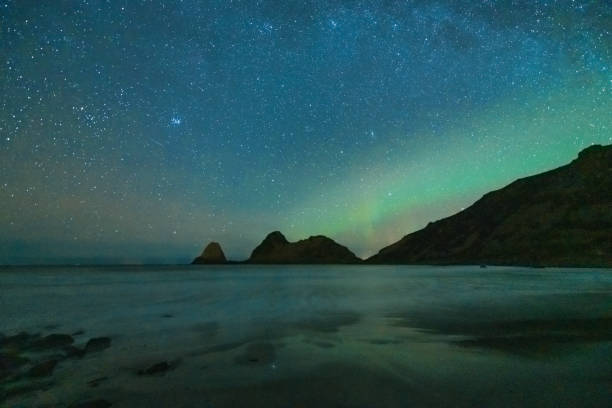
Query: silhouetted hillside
(562,217)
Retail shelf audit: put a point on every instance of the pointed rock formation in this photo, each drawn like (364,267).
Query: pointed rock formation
(275,249)
(562,217)
(212,254)
(272,243)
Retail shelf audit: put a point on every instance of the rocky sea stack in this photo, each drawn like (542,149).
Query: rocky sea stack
(275,249)
(562,217)
(212,254)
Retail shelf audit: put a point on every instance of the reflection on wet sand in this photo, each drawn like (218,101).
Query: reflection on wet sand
(435,338)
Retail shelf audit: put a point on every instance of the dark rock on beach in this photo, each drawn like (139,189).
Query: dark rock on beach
(257,353)
(562,217)
(44,369)
(9,363)
(97,344)
(28,361)
(275,249)
(94,345)
(98,403)
(74,352)
(96,381)
(52,341)
(212,254)
(23,388)
(34,342)
(18,341)
(158,368)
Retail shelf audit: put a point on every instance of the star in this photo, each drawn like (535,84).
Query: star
(187,114)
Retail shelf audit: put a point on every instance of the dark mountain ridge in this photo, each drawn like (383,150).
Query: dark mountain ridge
(562,217)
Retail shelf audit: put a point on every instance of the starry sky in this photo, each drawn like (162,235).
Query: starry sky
(136,131)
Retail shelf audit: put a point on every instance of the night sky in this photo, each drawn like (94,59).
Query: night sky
(139,130)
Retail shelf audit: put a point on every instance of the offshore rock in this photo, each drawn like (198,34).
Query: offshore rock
(275,249)
(212,254)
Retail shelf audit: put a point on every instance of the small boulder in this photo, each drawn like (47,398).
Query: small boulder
(99,403)
(74,352)
(10,363)
(18,341)
(96,381)
(158,368)
(22,389)
(97,344)
(44,369)
(52,341)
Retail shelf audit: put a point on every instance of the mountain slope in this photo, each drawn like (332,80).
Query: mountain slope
(562,217)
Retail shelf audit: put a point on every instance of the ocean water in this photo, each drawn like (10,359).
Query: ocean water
(312,336)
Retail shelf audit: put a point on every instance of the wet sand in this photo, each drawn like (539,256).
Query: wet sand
(306,336)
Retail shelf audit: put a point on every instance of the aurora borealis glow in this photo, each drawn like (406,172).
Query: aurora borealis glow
(137,131)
